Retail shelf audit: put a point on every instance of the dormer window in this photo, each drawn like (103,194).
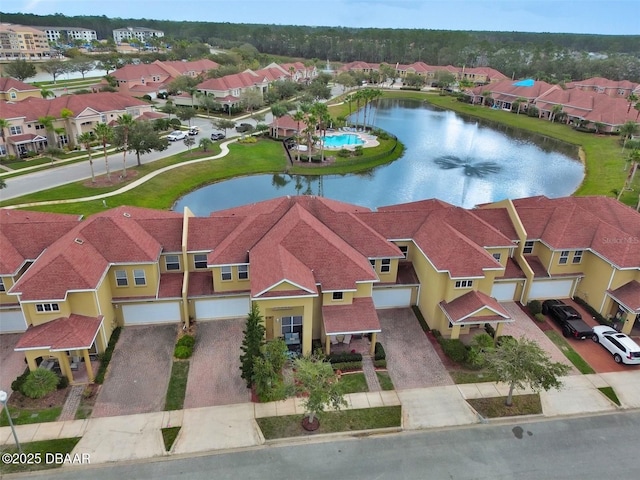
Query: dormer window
(172,262)
(386,265)
(497,256)
(577,256)
(464,283)
(200,260)
(47,307)
(226,273)
(337,296)
(404,249)
(243,272)
(564,257)
(528,247)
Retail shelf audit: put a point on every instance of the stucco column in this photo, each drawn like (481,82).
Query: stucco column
(499,328)
(87,364)
(372,347)
(65,368)
(327,345)
(628,318)
(31,362)
(455,332)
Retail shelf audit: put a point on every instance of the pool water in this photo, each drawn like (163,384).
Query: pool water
(342,140)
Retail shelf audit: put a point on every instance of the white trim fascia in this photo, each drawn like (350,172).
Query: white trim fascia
(343,290)
(280,283)
(284,297)
(354,332)
(27,349)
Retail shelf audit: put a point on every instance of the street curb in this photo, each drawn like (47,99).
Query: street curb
(336,435)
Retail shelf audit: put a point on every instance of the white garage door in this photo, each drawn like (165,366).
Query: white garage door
(164,312)
(392,297)
(12,321)
(550,289)
(504,292)
(227,307)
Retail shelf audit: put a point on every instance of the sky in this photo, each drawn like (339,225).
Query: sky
(610,17)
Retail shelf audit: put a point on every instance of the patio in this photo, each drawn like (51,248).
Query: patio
(358,344)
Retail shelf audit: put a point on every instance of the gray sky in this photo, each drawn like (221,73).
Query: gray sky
(569,16)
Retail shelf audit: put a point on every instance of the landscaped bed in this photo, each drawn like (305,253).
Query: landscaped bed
(42,455)
(494,407)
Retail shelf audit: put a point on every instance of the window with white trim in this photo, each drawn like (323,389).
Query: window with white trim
(139,278)
(47,307)
(121,278)
(464,283)
(386,265)
(497,256)
(172,262)
(2,287)
(200,260)
(564,257)
(372,261)
(337,296)
(226,273)
(528,247)
(291,324)
(243,272)
(577,256)
(404,249)
(15,130)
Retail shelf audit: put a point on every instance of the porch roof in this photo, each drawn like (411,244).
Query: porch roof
(358,317)
(628,296)
(65,333)
(463,310)
(25,138)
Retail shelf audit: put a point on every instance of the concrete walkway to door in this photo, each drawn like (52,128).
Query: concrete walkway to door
(411,360)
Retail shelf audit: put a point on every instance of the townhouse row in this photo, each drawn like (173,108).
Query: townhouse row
(316,268)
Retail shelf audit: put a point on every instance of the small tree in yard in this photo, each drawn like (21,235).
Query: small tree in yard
(318,384)
(39,383)
(251,344)
(521,363)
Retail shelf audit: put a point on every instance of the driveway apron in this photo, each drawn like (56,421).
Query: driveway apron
(214,374)
(139,371)
(411,360)
(12,363)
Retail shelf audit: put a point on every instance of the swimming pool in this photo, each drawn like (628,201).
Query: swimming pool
(342,140)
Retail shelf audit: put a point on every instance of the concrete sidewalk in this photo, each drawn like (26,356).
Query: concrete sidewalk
(137,437)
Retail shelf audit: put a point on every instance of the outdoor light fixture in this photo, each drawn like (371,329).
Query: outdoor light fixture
(3,399)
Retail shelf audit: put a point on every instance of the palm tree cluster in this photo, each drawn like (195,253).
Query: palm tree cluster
(363,98)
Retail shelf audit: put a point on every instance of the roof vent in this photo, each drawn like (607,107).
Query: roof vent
(79,241)
(125,214)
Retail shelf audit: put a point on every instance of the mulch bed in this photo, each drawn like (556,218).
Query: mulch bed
(544,326)
(54,399)
(116,179)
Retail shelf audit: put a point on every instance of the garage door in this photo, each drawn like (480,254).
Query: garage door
(143,313)
(504,292)
(227,307)
(392,297)
(12,321)
(550,289)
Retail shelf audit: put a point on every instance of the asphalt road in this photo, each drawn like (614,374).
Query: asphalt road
(597,447)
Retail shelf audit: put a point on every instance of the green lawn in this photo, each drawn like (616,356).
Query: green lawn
(169,436)
(24,416)
(385,380)
(177,385)
(331,422)
(354,382)
(35,450)
(495,407)
(569,352)
(464,376)
(20,164)
(610,393)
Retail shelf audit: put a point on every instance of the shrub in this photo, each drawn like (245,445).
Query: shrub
(343,153)
(347,366)
(540,317)
(40,383)
(186,341)
(53,151)
(490,330)
(436,333)
(358,150)
(345,357)
(248,139)
(16,385)
(105,358)
(63,383)
(146,97)
(182,352)
(420,317)
(382,363)
(593,312)
(379,353)
(175,122)
(504,338)
(534,307)
(454,349)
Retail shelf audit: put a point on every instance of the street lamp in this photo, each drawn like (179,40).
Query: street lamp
(3,400)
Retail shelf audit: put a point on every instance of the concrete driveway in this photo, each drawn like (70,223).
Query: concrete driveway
(214,373)
(411,360)
(12,363)
(139,371)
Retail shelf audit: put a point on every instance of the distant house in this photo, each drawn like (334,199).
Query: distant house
(611,88)
(12,90)
(141,34)
(22,42)
(227,90)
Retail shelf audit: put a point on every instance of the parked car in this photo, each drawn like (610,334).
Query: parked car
(194,130)
(244,127)
(623,349)
(567,318)
(217,136)
(176,135)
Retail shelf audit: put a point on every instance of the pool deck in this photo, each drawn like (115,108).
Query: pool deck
(368,139)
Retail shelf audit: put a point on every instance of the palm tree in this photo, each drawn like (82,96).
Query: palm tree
(85,140)
(67,114)
(278,110)
(104,133)
(47,122)
(125,122)
(632,99)
(298,117)
(4,123)
(3,184)
(520,101)
(321,113)
(628,130)
(469,169)
(45,93)
(555,112)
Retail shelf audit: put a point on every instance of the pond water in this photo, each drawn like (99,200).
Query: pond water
(459,160)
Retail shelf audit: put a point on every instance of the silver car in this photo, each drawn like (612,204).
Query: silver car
(623,349)
(176,135)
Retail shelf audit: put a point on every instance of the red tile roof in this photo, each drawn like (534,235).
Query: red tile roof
(65,333)
(10,83)
(463,309)
(359,317)
(200,284)
(235,81)
(510,91)
(628,295)
(170,285)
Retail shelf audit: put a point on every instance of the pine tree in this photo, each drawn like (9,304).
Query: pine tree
(251,344)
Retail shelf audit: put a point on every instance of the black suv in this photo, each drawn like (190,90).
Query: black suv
(568,318)
(217,136)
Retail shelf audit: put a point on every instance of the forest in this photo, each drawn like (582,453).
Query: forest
(554,57)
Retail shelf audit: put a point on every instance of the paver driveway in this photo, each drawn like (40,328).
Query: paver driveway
(139,371)
(214,374)
(12,363)
(411,360)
